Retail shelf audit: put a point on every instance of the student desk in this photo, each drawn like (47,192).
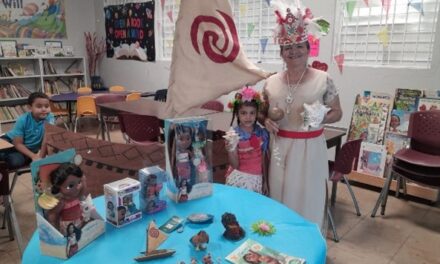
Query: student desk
(294,235)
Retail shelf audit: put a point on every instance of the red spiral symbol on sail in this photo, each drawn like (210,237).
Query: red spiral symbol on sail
(154,232)
(210,38)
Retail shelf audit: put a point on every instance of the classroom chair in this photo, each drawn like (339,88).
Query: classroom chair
(213,105)
(85,107)
(117,88)
(133,96)
(59,113)
(107,98)
(421,161)
(139,129)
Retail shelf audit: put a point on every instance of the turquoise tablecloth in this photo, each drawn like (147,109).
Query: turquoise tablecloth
(295,236)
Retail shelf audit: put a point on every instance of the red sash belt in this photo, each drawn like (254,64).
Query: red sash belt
(300,134)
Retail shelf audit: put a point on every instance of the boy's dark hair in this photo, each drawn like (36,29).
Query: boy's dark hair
(58,176)
(33,96)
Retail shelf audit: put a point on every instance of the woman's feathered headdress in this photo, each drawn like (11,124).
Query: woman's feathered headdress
(295,22)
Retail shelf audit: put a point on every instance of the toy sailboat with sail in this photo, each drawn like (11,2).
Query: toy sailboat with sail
(155,237)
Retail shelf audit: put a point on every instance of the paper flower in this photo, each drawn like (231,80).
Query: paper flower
(263,228)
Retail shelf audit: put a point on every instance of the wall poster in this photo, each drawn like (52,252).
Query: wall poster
(41,19)
(129,31)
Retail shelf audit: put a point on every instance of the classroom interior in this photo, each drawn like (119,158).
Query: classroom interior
(407,233)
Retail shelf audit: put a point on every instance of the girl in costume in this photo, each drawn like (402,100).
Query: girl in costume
(247,144)
(182,154)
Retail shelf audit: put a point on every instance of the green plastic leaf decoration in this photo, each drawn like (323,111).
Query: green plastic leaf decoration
(324,25)
(263,228)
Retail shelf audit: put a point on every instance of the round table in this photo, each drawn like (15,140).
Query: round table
(294,235)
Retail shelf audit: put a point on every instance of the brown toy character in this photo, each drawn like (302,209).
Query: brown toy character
(233,230)
(200,240)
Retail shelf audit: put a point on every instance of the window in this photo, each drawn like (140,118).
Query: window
(402,38)
(254,20)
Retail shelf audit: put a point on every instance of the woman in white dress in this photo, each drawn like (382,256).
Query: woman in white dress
(299,168)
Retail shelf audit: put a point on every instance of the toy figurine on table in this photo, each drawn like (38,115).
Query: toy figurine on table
(66,217)
(151,179)
(200,240)
(233,229)
(187,158)
(68,187)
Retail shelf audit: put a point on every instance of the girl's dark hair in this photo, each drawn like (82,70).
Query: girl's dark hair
(33,96)
(237,107)
(76,230)
(58,176)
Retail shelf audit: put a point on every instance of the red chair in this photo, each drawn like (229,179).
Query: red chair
(343,165)
(213,105)
(421,161)
(108,98)
(139,129)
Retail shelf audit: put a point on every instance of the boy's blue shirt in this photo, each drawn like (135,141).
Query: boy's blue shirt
(31,130)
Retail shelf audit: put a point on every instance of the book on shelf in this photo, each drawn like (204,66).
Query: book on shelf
(13,91)
(253,252)
(48,68)
(406,99)
(372,158)
(425,104)
(399,121)
(369,118)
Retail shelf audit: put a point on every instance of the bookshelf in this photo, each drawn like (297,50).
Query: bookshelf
(21,76)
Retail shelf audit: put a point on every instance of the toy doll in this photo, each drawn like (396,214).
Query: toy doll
(233,230)
(73,235)
(127,201)
(200,240)
(87,208)
(182,154)
(68,185)
(151,195)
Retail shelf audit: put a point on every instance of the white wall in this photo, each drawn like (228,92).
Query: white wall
(152,76)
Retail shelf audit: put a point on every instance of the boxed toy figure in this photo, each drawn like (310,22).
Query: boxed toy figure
(188,163)
(120,197)
(66,219)
(151,179)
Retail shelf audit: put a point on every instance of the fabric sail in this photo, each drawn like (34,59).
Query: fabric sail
(207,59)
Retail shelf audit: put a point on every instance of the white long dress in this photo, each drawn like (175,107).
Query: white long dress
(299,178)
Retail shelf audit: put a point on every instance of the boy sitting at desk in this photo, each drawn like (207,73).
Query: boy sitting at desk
(28,133)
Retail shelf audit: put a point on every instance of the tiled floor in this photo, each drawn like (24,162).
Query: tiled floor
(408,233)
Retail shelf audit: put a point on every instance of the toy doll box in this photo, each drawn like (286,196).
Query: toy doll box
(188,162)
(150,199)
(67,221)
(120,197)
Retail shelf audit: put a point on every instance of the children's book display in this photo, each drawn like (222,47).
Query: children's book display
(253,252)
(425,104)
(151,180)
(187,159)
(372,159)
(406,99)
(121,201)
(67,220)
(369,119)
(154,237)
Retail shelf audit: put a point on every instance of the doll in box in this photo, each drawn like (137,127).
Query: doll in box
(152,190)
(127,201)
(199,160)
(69,187)
(182,153)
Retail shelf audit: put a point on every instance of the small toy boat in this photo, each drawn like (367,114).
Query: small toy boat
(155,237)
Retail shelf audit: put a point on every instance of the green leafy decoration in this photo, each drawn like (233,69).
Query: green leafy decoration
(263,228)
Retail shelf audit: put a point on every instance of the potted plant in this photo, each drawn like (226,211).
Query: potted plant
(95,50)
